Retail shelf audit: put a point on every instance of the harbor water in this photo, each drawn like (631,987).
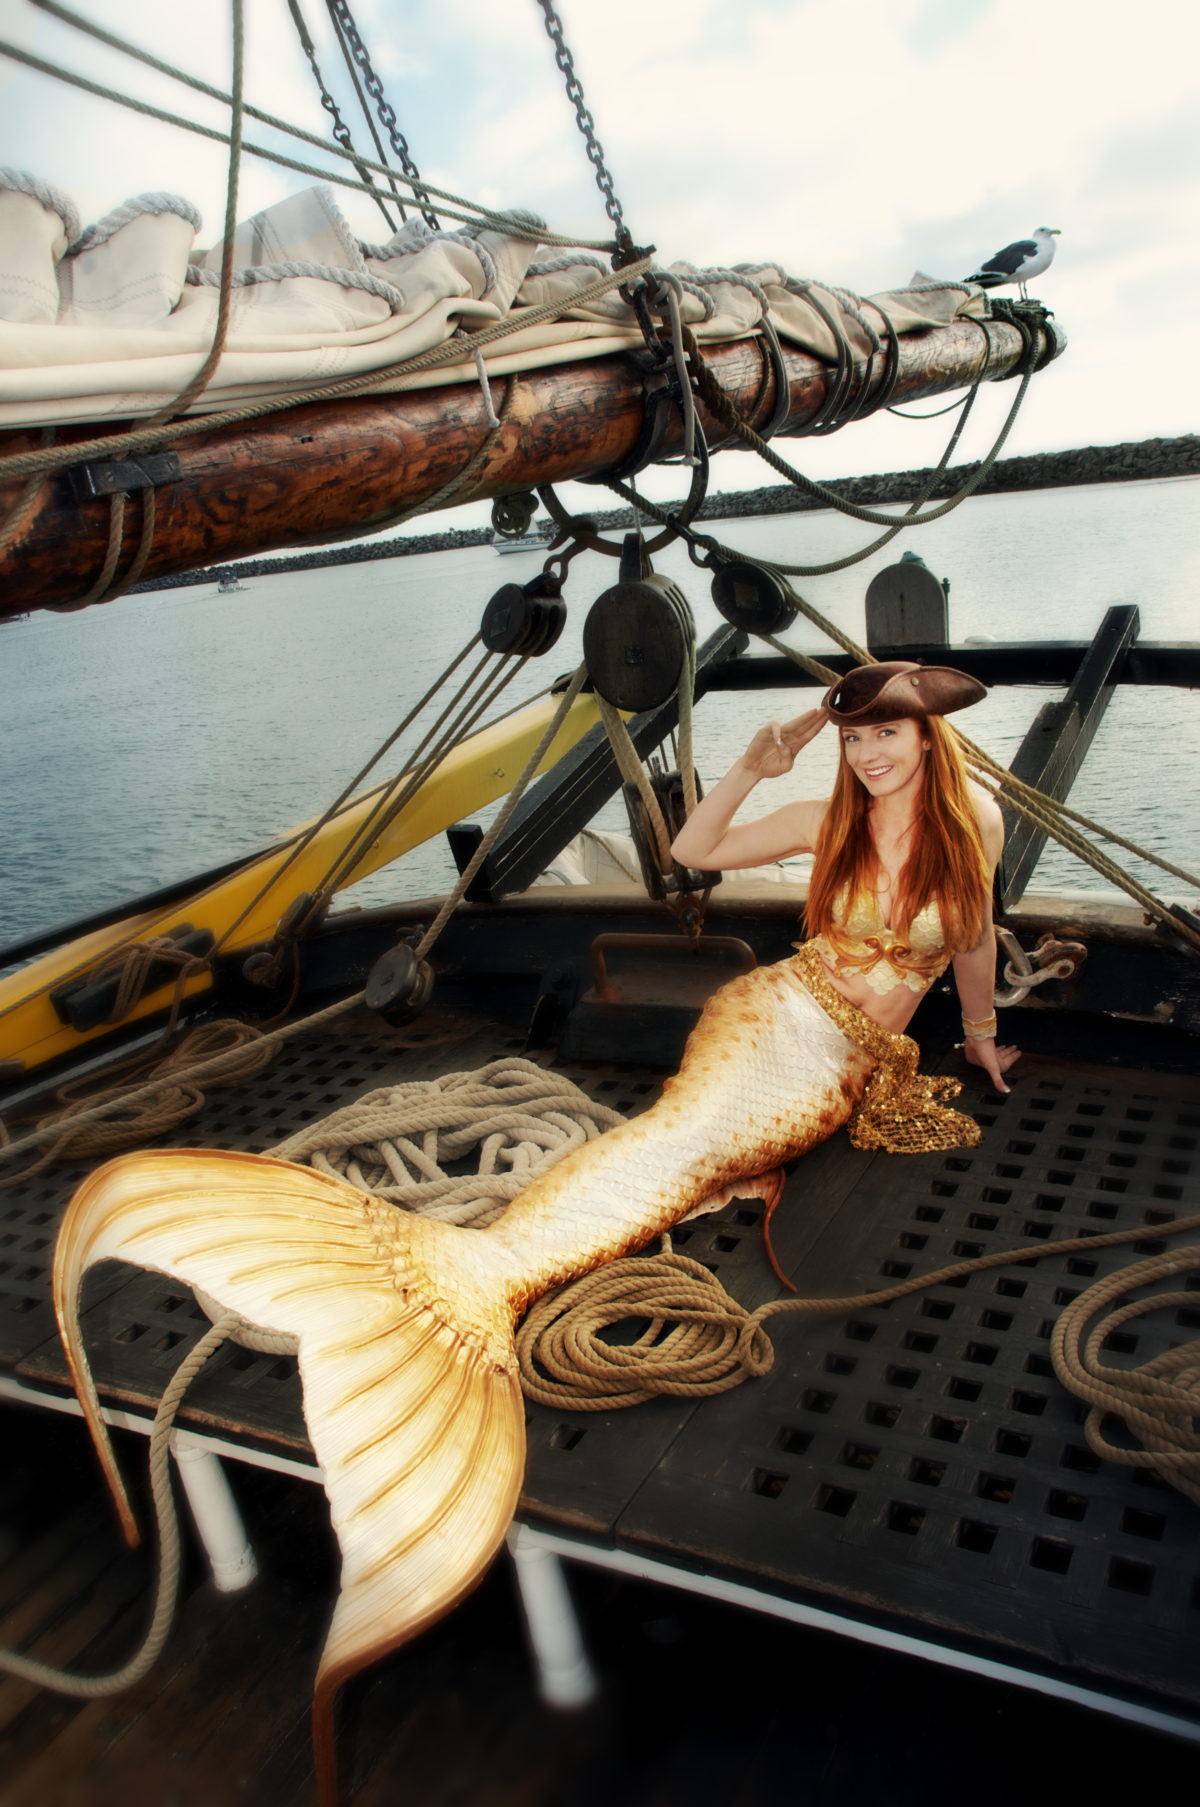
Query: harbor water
(164,733)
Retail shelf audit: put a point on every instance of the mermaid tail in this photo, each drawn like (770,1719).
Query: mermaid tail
(405,1325)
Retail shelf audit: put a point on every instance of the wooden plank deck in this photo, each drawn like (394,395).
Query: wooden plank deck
(702,1705)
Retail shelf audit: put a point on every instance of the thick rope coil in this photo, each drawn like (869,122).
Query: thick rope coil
(399,1142)
(694,1342)
(699,1340)
(1160,1400)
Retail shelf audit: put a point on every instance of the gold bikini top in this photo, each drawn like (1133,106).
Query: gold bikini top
(862,943)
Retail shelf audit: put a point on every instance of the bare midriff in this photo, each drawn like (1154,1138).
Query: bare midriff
(882,974)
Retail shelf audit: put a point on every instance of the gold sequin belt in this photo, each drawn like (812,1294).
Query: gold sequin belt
(900,1109)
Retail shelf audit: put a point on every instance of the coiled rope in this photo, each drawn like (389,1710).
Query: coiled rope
(698,1340)
(399,1142)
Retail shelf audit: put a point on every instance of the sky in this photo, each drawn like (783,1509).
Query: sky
(855,143)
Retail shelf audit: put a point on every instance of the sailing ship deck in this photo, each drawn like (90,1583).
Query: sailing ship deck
(913,1470)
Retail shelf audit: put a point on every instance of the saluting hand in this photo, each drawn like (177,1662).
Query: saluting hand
(772,752)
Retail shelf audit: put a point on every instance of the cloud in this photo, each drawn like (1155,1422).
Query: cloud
(855,144)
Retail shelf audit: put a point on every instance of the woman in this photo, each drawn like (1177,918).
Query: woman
(905,848)
(405,1325)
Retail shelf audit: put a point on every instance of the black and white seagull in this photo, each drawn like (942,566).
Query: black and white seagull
(1019,262)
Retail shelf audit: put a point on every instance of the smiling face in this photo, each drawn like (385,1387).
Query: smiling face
(887,757)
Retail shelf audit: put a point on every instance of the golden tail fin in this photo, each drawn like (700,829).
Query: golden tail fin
(411,1389)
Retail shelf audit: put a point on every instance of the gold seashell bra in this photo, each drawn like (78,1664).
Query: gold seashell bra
(863,944)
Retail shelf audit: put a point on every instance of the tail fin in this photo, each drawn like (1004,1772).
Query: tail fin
(411,1390)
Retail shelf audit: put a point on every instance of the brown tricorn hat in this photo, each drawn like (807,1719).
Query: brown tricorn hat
(896,688)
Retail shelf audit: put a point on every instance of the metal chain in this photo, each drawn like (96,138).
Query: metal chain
(341,130)
(587,125)
(340,13)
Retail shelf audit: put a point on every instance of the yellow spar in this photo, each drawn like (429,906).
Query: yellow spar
(483,768)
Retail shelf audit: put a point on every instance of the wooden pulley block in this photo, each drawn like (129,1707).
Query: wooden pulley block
(752,598)
(524,619)
(634,641)
(399,985)
(668,789)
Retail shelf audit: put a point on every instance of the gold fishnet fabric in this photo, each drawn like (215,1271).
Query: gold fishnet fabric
(900,1109)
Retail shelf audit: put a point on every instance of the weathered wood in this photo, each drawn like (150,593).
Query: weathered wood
(336,470)
(1054,747)
(555,809)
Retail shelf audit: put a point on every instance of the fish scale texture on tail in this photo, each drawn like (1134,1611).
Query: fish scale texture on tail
(405,1324)
(766,1074)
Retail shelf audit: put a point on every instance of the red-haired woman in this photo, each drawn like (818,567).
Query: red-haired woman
(905,852)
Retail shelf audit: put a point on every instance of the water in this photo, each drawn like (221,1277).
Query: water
(152,737)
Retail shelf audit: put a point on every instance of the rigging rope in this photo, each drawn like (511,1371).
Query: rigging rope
(455,206)
(699,1340)
(224,1062)
(355,52)
(141,439)
(340,129)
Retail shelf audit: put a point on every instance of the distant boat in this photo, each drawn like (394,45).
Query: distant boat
(522,542)
(228,581)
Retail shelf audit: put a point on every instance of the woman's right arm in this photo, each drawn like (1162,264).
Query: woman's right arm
(709,842)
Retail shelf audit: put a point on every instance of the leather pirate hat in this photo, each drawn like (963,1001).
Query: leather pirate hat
(895,688)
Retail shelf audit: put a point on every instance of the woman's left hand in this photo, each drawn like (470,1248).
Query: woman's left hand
(994,1057)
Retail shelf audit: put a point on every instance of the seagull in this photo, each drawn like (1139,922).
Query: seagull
(1018,262)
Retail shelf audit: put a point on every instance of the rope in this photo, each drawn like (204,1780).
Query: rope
(207,1068)
(698,1341)
(634,772)
(692,1345)
(399,1142)
(726,411)
(340,129)
(356,58)
(21,510)
(196,387)
(166,1592)
(1160,1400)
(96,1118)
(497,828)
(143,439)
(474,215)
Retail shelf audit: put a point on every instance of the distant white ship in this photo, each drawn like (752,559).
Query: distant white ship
(525,542)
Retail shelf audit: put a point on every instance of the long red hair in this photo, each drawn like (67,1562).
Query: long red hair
(947,862)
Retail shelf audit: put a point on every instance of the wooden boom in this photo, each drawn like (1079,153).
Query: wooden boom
(337,470)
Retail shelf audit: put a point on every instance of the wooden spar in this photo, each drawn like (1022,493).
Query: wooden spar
(337,470)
